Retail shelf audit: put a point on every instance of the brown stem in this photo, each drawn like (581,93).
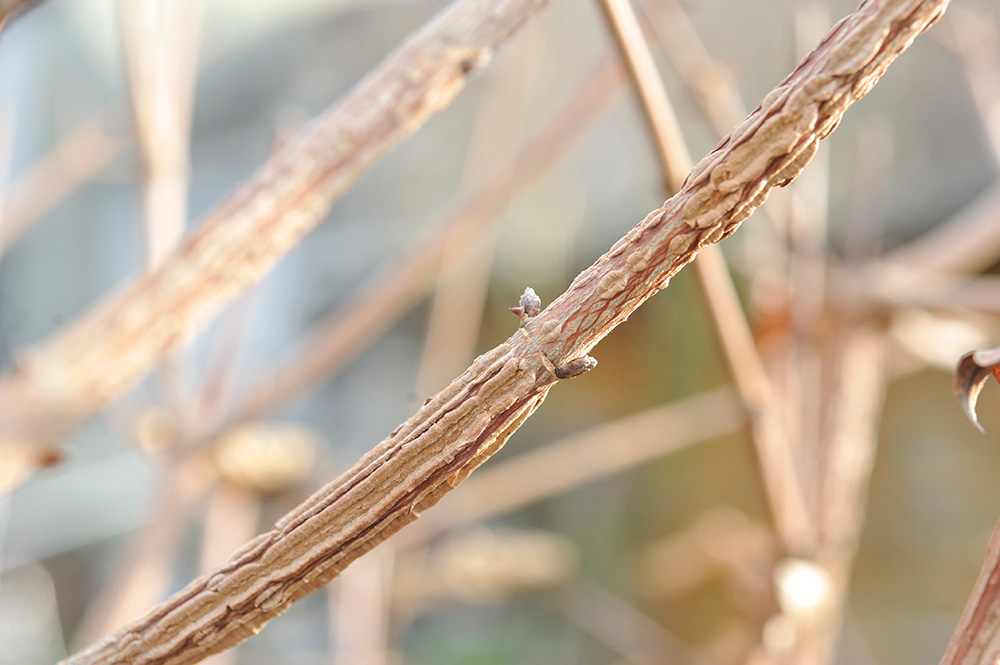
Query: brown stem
(976,640)
(106,352)
(460,427)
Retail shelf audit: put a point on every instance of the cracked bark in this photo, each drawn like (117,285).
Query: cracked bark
(459,428)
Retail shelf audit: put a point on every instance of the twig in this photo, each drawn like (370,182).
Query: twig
(12,8)
(142,576)
(161,49)
(847,453)
(103,354)
(968,242)
(656,107)
(83,153)
(361,607)
(459,428)
(622,627)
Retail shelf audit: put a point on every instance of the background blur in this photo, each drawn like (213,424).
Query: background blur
(666,559)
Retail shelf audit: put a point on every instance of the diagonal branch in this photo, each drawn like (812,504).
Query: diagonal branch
(460,427)
(106,352)
(976,640)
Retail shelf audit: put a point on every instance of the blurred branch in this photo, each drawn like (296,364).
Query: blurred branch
(462,426)
(635,636)
(967,242)
(79,156)
(161,49)
(107,351)
(12,8)
(162,44)
(657,109)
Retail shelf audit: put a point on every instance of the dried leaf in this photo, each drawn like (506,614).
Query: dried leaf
(973,371)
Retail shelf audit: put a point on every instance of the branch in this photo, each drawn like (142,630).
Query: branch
(11,8)
(105,353)
(976,640)
(459,428)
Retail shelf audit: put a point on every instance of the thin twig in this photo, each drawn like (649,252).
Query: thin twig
(142,576)
(10,9)
(459,428)
(96,359)
(970,240)
(622,627)
(361,607)
(78,157)
(161,49)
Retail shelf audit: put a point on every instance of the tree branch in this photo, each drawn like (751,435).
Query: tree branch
(459,428)
(105,353)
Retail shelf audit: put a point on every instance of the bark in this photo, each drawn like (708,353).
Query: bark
(976,640)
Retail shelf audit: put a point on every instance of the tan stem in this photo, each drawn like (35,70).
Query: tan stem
(976,640)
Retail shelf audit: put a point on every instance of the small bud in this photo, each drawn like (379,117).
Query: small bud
(575,367)
(530,302)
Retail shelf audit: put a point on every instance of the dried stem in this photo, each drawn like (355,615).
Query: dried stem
(106,352)
(78,157)
(459,428)
(10,9)
(161,49)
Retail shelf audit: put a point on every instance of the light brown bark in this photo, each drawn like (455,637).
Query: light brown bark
(458,429)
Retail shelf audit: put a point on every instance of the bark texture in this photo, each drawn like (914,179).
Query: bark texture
(976,640)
